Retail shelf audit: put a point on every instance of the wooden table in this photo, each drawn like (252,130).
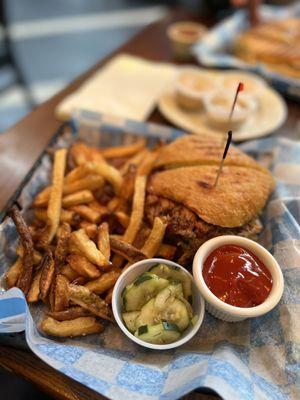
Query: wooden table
(21,145)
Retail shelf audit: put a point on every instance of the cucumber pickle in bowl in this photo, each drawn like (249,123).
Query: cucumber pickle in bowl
(157,305)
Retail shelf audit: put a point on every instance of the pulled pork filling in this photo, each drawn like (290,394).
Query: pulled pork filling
(187,230)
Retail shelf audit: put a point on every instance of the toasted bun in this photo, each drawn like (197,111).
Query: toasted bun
(191,150)
(240,195)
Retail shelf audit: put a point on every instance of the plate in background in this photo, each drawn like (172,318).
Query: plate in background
(270,115)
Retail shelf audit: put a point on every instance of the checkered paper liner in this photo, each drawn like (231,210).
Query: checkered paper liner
(214,50)
(253,359)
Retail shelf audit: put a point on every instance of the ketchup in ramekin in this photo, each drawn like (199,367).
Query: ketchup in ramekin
(237,276)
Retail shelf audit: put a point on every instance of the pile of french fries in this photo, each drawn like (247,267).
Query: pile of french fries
(88,226)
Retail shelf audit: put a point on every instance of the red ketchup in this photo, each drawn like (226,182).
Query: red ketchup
(237,277)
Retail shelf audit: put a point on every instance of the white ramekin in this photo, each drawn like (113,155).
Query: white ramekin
(190,98)
(128,277)
(218,115)
(227,312)
(181,43)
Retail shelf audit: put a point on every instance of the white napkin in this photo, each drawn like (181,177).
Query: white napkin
(127,87)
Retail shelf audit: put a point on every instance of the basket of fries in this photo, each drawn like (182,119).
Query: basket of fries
(78,220)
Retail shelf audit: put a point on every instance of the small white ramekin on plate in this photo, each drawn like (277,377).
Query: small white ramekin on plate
(217,114)
(128,277)
(188,95)
(222,310)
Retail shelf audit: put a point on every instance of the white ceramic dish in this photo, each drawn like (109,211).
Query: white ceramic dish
(192,86)
(183,35)
(227,312)
(128,277)
(218,106)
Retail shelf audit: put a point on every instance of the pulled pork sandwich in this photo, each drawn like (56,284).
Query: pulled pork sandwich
(181,189)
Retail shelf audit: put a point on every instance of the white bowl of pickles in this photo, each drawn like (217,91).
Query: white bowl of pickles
(157,304)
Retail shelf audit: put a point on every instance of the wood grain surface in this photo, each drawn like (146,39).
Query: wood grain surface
(22,144)
(31,368)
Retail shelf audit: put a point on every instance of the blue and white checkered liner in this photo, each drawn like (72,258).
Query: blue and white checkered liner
(257,359)
(214,49)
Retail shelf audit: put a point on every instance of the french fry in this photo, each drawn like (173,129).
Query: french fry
(51,295)
(72,247)
(108,297)
(61,299)
(141,236)
(118,162)
(123,218)
(90,229)
(65,215)
(166,251)
(88,213)
(78,152)
(103,240)
(42,198)
(62,247)
(81,280)
(82,197)
(90,301)
(113,204)
(25,277)
(126,250)
(81,153)
(94,205)
(127,188)
(90,182)
(104,283)
(89,249)
(83,266)
(36,255)
(76,327)
(69,273)
(147,164)
(137,214)
(55,199)
(109,173)
(77,173)
(124,151)
(34,291)
(70,313)
(134,161)
(12,275)
(155,238)
(35,233)
(47,274)
(95,154)
(117,261)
